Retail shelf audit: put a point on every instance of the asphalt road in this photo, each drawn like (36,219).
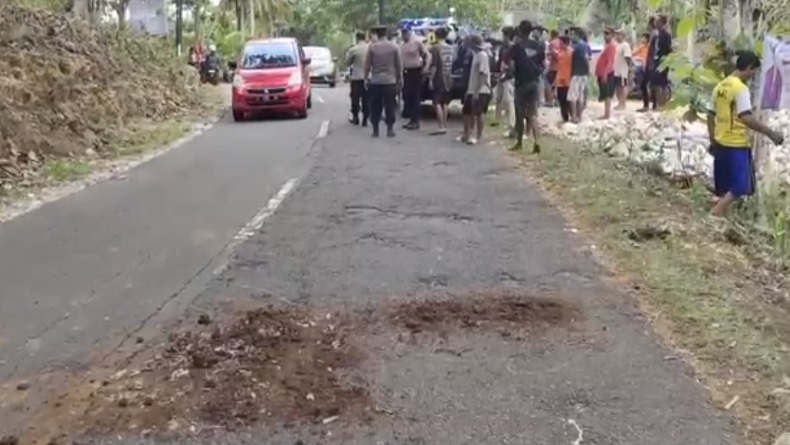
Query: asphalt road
(367,221)
(82,275)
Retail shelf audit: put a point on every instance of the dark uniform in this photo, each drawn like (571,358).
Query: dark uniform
(384,71)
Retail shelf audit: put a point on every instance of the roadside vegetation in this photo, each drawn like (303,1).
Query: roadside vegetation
(715,289)
(710,287)
(77,93)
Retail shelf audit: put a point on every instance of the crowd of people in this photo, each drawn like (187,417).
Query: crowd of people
(533,66)
(530,67)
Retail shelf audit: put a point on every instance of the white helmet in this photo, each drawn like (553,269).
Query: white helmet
(212,47)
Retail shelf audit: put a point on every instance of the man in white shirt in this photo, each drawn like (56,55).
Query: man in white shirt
(623,62)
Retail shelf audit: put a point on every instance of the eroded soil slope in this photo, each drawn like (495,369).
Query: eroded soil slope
(67,86)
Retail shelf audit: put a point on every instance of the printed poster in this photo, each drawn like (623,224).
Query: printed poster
(774,90)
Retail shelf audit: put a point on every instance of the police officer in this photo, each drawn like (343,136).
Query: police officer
(384,72)
(359,94)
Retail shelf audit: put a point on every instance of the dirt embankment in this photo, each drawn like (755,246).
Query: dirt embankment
(67,87)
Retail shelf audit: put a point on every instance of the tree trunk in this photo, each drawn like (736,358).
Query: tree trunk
(81,8)
(251,12)
(120,10)
(95,9)
(728,20)
(197,18)
(747,19)
(239,15)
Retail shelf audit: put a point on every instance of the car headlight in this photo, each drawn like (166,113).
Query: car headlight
(238,81)
(295,80)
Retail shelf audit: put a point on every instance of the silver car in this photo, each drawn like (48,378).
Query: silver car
(322,65)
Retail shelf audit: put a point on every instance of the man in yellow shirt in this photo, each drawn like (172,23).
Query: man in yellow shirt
(733,170)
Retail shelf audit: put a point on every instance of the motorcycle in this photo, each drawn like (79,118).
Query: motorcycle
(210,75)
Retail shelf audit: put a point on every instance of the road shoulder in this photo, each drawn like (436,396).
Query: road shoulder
(41,181)
(704,284)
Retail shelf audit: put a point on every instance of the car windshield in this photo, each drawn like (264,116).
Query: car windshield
(268,55)
(318,53)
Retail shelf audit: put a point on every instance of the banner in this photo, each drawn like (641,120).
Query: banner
(774,92)
(149,16)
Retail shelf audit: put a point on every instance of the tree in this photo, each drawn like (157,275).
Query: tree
(119,7)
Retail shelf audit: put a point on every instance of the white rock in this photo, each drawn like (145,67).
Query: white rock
(784,439)
(678,146)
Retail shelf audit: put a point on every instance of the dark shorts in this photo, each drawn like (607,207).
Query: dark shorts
(551,75)
(620,81)
(606,87)
(477,107)
(733,170)
(441,96)
(526,98)
(659,79)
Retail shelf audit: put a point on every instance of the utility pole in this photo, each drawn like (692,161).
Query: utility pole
(381,12)
(179,26)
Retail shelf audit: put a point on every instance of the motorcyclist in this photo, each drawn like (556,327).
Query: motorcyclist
(211,60)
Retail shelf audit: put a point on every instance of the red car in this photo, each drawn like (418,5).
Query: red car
(272,75)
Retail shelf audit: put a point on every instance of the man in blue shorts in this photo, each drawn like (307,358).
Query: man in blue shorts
(733,169)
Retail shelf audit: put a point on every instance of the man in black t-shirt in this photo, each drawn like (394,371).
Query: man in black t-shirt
(526,60)
(659,79)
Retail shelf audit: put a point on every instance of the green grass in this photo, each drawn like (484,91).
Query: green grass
(136,142)
(148,137)
(63,170)
(707,290)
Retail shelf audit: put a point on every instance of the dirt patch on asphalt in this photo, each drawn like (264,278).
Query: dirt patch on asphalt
(273,366)
(483,311)
(269,365)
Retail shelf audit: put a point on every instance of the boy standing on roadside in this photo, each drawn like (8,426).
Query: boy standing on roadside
(478,94)
(623,64)
(526,57)
(580,72)
(553,53)
(733,170)
(563,79)
(441,77)
(604,72)
(659,78)
(504,89)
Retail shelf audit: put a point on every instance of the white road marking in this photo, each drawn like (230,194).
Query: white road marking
(322,132)
(319,98)
(253,225)
(580,437)
(257,221)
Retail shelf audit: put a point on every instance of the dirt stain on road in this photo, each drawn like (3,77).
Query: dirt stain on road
(485,310)
(273,366)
